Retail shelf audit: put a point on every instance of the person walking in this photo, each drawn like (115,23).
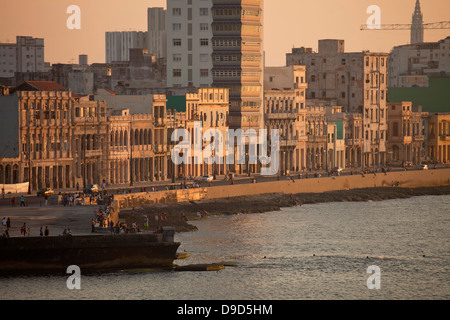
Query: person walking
(8,224)
(4,223)
(22,201)
(47,231)
(41,233)
(13,202)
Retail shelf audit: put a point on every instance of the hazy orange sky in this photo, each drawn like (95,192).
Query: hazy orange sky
(287,23)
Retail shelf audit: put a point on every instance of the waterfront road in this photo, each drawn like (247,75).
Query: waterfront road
(34,200)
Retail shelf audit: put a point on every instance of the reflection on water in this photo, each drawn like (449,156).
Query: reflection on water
(319,251)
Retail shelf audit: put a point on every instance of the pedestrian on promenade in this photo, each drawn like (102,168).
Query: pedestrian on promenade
(13,202)
(4,223)
(8,224)
(47,231)
(46,200)
(41,232)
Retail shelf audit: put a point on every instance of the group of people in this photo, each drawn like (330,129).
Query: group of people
(24,229)
(102,217)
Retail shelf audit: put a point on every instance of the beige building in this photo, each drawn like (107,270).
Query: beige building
(439,137)
(207,109)
(138,145)
(285,110)
(53,139)
(406,137)
(354,80)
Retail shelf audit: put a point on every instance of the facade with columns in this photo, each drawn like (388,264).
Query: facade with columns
(52,139)
(285,110)
(406,136)
(439,137)
(138,145)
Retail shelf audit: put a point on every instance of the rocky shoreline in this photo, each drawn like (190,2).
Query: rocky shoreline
(179,214)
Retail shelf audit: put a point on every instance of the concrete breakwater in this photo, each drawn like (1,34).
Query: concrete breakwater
(271,196)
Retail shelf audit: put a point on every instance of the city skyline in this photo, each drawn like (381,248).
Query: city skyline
(63,45)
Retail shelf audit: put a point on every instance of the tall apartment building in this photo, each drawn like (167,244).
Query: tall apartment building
(26,55)
(354,80)
(189,47)
(119,43)
(156,33)
(220,44)
(238,58)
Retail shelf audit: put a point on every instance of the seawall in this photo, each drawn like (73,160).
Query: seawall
(405,179)
(402,179)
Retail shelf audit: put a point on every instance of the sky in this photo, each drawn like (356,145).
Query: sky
(287,24)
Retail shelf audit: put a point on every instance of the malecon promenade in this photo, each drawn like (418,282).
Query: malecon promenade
(231,198)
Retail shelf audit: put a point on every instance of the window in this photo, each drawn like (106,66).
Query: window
(176,26)
(204,42)
(203,11)
(177,58)
(176,11)
(204,27)
(177,72)
(176,42)
(204,73)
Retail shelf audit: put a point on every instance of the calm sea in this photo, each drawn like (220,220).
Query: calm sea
(320,251)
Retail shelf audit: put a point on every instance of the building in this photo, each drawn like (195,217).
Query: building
(357,81)
(189,43)
(406,135)
(139,148)
(413,65)
(156,33)
(417,25)
(285,110)
(57,139)
(119,43)
(238,58)
(25,56)
(439,137)
(54,139)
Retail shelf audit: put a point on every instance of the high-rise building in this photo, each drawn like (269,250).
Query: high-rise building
(238,58)
(417,25)
(26,55)
(156,32)
(219,43)
(119,43)
(189,49)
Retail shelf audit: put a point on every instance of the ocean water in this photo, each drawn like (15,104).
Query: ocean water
(320,251)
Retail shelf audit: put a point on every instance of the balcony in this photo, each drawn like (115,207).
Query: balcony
(93,153)
(419,137)
(444,138)
(281,116)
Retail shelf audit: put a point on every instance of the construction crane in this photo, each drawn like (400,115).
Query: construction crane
(432,25)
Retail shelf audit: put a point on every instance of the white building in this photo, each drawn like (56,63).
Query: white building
(156,33)
(119,43)
(189,43)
